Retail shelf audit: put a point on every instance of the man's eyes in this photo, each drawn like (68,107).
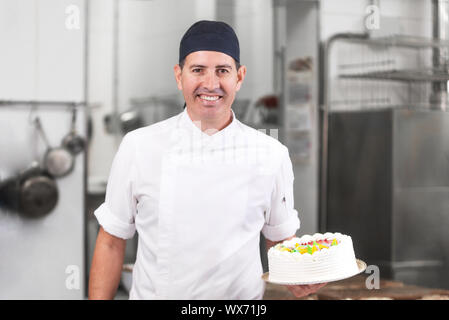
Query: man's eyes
(222,71)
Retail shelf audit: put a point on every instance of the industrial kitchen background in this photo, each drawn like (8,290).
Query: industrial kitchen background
(356,89)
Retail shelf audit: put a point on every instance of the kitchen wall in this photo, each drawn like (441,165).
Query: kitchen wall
(43,59)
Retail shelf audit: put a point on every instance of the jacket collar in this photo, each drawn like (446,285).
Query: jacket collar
(228,131)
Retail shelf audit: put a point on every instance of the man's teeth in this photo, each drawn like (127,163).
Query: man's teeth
(209,98)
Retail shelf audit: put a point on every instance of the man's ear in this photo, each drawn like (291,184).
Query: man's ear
(178,72)
(241,72)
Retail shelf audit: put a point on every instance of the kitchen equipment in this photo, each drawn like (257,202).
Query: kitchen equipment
(130,120)
(143,111)
(58,161)
(38,193)
(32,193)
(157,108)
(124,122)
(73,141)
(384,169)
(268,107)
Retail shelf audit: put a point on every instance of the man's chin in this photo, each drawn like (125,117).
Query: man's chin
(210,111)
(210,107)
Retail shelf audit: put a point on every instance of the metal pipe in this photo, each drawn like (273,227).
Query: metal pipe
(116,69)
(440,21)
(324,128)
(41,102)
(87,115)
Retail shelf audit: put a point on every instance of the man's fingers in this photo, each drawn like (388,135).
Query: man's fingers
(305,290)
(316,286)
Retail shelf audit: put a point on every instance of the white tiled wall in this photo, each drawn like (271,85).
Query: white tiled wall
(39,53)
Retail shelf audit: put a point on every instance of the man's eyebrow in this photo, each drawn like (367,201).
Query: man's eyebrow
(224,66)
(197,66)
(216,67)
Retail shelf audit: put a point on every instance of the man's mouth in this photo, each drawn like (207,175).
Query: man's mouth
(209,99)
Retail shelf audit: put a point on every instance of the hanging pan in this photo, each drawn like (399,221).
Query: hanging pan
(73,141)
(31,194)
(58,161)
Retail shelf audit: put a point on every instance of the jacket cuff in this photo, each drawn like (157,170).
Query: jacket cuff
(112,225)
(281,231)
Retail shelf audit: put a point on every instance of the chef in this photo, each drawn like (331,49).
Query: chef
(198,188)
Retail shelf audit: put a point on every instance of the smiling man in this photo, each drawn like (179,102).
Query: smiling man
(198,188)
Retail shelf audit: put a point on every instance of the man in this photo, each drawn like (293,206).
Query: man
(198,188)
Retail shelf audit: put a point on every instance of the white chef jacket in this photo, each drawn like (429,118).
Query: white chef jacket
(199,203)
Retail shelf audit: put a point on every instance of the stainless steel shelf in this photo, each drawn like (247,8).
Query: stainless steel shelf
(402,41)
(423,75)
(425,107)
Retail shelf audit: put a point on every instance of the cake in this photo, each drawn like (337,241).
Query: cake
(312,259)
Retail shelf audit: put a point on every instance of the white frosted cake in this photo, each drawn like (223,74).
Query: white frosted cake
(312,259)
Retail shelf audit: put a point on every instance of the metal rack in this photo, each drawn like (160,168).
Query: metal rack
(403,75)
(390,72)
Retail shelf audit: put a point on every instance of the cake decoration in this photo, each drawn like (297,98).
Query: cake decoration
(309,247)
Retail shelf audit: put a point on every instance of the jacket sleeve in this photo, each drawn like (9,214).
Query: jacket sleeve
(281,219)
(117,213)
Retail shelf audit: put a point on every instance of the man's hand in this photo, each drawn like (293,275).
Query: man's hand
(300,291)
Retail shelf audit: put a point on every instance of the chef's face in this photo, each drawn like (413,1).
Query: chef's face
(209,81)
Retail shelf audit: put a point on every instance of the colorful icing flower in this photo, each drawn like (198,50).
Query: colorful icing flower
(309,249)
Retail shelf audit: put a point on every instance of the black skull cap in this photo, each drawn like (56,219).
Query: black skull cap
(208,35)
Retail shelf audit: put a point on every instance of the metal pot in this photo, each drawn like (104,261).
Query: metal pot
(32,193)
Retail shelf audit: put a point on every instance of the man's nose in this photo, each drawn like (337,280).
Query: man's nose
(211,80)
